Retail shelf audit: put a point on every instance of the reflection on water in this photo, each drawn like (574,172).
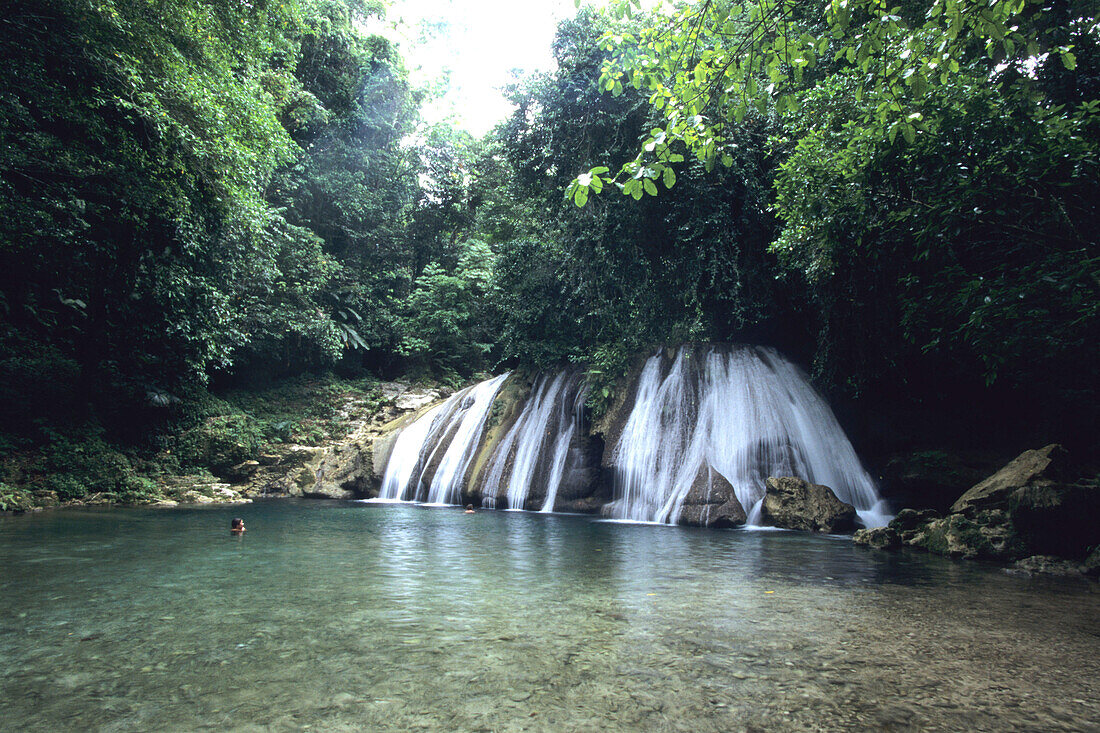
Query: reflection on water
(388,617)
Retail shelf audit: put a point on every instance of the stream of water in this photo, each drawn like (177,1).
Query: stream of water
(344,616)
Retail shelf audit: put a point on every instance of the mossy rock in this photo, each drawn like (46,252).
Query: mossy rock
(990,535)
(220,442)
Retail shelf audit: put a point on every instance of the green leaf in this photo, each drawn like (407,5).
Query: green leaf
(669,177)
(650,187)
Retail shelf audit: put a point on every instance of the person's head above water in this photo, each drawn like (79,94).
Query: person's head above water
(469,508)
(237,524)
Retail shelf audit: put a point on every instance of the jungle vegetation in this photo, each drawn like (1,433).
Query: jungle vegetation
(199,195)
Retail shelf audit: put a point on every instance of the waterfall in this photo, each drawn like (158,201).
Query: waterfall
(529,464)
(431,456)
(746,412)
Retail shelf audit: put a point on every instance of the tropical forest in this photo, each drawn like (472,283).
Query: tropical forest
(761,339)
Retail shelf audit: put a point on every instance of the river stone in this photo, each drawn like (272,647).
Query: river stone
(882,538)
(711,501)
(1042,467)
(1047,565)
(793,503)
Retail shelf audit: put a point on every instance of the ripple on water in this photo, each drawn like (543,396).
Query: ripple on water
(352,617)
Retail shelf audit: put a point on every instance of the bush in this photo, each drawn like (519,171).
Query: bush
(13,499)
(220,442)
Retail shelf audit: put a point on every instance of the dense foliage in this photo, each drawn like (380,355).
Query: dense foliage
(936,183)
(208,192)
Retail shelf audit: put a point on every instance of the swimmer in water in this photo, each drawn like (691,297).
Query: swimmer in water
(469,509)
(237,526)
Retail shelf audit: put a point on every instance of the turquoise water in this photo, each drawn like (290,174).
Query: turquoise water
(344,616)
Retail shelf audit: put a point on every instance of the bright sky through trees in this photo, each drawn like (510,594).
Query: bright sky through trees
(466,51)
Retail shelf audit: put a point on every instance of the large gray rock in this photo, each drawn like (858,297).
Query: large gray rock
(711,501)
(1052,513)
(343,472)
(793,503)
(1042,467)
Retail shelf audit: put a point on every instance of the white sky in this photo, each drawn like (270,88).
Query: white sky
(470,48)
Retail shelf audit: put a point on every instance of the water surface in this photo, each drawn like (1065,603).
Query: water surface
(343,616)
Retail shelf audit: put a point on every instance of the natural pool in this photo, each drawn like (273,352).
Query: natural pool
(342,616)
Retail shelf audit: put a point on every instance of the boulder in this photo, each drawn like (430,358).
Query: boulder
(989,534)
(793,503)
(1041,467)
(882,538)
(711,501)
(1052,513)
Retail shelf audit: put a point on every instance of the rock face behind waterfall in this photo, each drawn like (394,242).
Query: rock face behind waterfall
(792,503)
(690,439)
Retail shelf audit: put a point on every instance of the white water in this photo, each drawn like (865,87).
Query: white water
(538,443)
(455,428)
(748,413)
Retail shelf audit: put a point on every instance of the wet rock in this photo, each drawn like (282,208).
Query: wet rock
(882,538)
(343,472)
(793,503)
(989,534)
(164,503)
(711,501)
(1047,565)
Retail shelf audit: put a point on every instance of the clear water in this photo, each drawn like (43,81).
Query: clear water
(337,616)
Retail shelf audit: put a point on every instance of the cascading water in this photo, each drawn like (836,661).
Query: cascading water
(533,457)
(744,411)
(431,457)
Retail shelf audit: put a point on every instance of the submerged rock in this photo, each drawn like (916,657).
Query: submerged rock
(793,503)
(1047,565)
(711,502)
